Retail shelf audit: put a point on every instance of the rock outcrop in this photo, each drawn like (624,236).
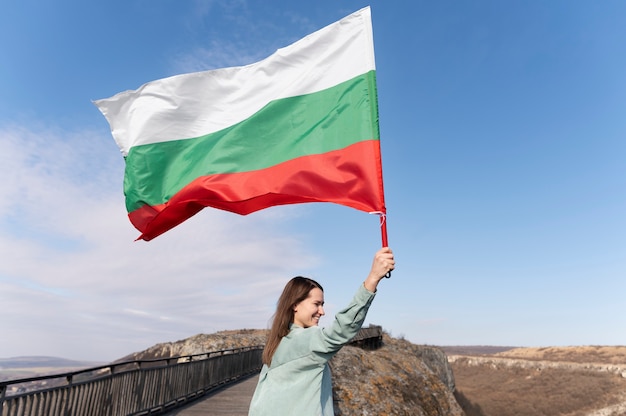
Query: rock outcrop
(400,378)
(201,343)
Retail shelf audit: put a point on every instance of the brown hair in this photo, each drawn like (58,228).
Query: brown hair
(295,291)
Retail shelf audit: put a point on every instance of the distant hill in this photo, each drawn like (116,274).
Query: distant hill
(33,366)
(40,361)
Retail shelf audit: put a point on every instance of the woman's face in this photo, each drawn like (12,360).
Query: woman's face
(308,312)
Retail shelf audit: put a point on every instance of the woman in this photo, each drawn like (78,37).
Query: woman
(295,378)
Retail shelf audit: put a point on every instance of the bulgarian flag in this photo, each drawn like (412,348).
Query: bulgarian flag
(298,126)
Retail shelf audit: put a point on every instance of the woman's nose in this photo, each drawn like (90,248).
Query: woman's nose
(320,310)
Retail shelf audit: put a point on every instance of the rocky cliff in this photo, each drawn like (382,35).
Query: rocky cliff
(572,381)
(399,378)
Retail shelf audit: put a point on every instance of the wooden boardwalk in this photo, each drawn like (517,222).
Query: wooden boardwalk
(232,400)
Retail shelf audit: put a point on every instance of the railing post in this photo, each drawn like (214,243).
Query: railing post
(68,398)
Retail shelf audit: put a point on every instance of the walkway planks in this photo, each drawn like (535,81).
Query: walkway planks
(232,400)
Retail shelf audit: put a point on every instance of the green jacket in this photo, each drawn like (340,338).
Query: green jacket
(298,382)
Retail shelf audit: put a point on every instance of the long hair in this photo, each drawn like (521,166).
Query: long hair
(295,291)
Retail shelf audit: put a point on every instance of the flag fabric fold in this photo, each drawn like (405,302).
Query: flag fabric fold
(299,126)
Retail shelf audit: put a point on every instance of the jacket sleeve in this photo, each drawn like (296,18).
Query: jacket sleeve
(345,326)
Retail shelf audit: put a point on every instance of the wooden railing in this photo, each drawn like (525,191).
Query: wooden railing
(142,387)
(370,337)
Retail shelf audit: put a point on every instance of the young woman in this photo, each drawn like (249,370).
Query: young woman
(295,378)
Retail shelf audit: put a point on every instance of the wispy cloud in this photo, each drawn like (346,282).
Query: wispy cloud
(248,40)
(72,271)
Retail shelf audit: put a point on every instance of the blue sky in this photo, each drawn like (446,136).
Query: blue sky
(502,131)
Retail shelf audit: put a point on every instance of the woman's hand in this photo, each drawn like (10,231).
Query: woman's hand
(383,263)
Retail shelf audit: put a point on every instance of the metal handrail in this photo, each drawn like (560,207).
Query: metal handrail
(138,387)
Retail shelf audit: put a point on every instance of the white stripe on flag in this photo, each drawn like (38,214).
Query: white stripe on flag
(196,104)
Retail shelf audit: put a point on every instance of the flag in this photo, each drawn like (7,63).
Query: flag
(298,126)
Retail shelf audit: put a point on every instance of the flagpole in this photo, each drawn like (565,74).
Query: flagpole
(383,231)
(383,234)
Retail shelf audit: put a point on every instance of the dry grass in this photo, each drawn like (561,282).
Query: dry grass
(488,389)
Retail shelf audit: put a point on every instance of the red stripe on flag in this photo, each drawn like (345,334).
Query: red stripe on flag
(350,177)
